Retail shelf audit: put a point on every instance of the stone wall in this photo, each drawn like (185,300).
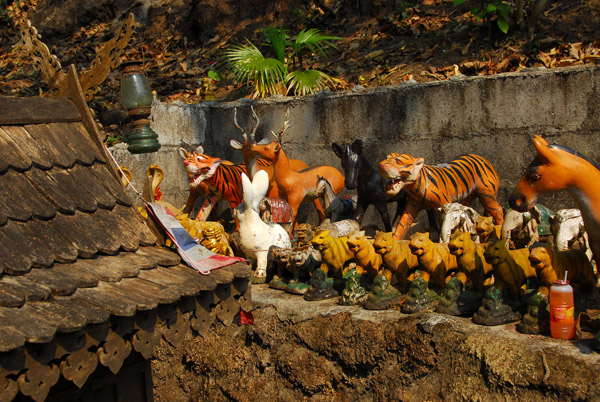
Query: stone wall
(494,116)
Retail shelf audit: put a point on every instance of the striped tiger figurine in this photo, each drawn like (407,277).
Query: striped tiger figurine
(431,186)
(223,178)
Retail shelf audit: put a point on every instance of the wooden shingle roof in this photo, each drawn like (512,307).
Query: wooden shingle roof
(75,254)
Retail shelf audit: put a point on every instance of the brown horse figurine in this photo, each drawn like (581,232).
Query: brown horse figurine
(558,168)
(296,186)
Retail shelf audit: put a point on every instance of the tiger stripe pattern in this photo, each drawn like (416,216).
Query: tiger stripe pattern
(223,178)
(432,186)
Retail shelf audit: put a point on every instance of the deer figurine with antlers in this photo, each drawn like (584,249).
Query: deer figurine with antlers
(254,164)
(297,186)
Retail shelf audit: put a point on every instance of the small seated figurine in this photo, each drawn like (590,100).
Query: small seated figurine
(551,265)
(511,270)
(367,260)
(303,234)
(320,288)
(537,318)
(486,230)
(435,260)
(471,264)
(382,295)
(420,298)
(397,258)
(353,293)
(493,311)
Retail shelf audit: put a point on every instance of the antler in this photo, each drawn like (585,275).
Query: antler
(256,126)
(285,126)
(243,130)
(235,123)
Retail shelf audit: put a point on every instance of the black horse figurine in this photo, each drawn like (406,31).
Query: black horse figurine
(360,175)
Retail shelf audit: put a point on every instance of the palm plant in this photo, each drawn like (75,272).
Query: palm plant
(284,72)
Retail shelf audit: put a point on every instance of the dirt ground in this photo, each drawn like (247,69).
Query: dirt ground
(319,351)
(383,42)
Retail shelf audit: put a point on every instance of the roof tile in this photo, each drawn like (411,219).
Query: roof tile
(39,157)
(60,154)
(63,250)
(84,201)
(11,154)
(50,189)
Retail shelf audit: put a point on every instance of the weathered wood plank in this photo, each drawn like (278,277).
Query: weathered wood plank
(93,314)
(83,175)
(221,276)
(103,240)
(74,139)
(14,260)
(29,195)
(35,329)
(134,221)
(32,291)
(140,261)
(84,201)
(63,250)
(104,176)
(11,154)
(11,296)
(82,278)
(10,338)
(38,156)
(118,228)
(101,297)
(64,317)
(59,285)
(162,277)
(124,266)
(32,110)
(164,294)
(10,204)
(204,282)
(60,154)
(164,257)
(68,227)
(51,190)
(240,270)
(17,244)
(127,290)
(41,255)
(103,272)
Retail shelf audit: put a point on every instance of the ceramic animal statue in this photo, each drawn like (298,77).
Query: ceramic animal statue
(360,175)
(511,268)
(524,228)
(471,263)
(303,262)
(367,260)
(460,180)
(256,236)
(334,206)
(223,178)
(435,260)
(340,228)
(250,158)
(215,239)
(396,256)
(550,265)
(567,228)
(456,216)
(558,168)
(296,186)
(486,230)
(280,256)
(335,252)
(303,234)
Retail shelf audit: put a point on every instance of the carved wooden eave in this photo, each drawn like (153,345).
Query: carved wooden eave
(82,282)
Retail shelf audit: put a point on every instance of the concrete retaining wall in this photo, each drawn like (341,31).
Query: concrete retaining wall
(494,116)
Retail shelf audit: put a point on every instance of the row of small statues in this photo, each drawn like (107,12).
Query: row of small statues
(400,178)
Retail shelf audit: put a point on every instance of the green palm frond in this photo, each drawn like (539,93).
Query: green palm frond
(308,81)
(249,65)
(313,41)
(277,38)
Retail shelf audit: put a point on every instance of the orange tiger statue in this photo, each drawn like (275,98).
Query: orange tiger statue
(470,261)
(460,180)
(222,179)
(396,256)
(558,168)
(367,260)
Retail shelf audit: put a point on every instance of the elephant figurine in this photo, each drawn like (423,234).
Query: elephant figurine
(523,229)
